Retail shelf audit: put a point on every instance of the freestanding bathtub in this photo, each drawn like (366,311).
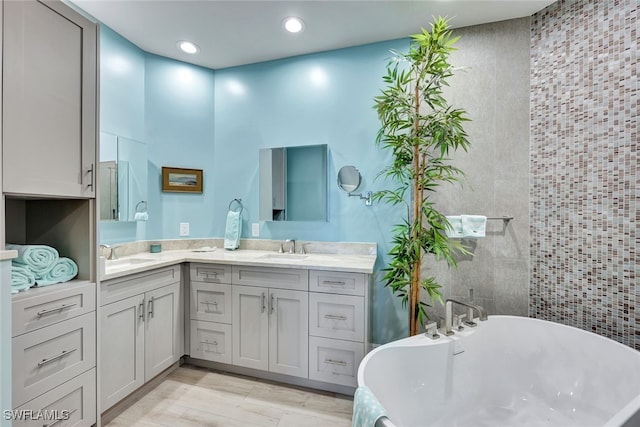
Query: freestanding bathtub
(508,371)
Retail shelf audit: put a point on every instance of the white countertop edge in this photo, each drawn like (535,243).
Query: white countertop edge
(333,262)
(4,255)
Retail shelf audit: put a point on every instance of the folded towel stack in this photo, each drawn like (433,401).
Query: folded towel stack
(366,408)
(455,227)
(232,230)
(39,265)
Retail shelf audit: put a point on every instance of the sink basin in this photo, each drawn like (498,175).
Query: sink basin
(284,257)
(125,262)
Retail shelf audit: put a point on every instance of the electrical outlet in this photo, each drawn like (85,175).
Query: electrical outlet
(255,229)
(184,229)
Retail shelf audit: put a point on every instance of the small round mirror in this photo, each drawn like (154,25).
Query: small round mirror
(349,178)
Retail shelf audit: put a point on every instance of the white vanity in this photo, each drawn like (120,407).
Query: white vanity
(300,319)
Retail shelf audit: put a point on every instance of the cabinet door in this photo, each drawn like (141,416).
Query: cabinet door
(289,332)
(250,327)
(49,100)
(162,329)
(122,349)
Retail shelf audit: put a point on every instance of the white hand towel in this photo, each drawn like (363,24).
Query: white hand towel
(473,225)
(455,227)
(232,230)
(141,216)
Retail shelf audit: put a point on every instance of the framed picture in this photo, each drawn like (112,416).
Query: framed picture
(181,180)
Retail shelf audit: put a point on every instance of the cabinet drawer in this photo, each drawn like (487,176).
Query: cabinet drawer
(134,284)
(49,305)
(334,361)
(211,341)
(336,316)
(210,302)
(212,273)
(46,358)
(335,282)
(73,402)
(272,277)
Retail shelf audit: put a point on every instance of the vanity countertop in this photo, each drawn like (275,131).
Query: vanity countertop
(147,261)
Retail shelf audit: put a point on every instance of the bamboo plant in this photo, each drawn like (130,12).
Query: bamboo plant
(421,130)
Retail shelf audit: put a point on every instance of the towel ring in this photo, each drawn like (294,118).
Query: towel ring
(238,207)
(144,208)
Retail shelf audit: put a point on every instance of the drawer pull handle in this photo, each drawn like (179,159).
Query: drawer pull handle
(210,276)
(334,283)
(335,362)
(264,306)
(64,353)
(61,419)
(141,311)
(208,303)
(209,343)
(150,307)
(53,310)
(272,303)
(334,317)
(91,171)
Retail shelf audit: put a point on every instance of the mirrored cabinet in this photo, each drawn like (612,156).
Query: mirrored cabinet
(293,183)
(123,177)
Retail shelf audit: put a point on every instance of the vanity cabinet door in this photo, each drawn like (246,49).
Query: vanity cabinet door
(289,332)
(250,327)
(49,100)
(162,329)
(122,349)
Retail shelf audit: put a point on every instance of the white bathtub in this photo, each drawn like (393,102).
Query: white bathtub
(509,371)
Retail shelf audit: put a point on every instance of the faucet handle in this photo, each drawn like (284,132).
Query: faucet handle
(281,250)
(432,330)
(469,321)
(457,321)
(302,250)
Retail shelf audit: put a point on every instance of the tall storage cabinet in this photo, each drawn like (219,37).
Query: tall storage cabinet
(49,100)
(49,123)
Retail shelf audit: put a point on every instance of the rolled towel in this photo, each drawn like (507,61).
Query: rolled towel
(21,278)
(38,258)
(63,270)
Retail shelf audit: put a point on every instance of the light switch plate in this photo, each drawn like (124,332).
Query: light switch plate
(184,229)
(255,229)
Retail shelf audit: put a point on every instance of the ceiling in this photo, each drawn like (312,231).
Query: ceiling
(238,32)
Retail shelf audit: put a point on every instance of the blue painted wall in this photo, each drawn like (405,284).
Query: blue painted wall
(324,98)
(217,121)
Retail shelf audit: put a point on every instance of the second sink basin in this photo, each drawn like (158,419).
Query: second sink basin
(125,262)
(287,257)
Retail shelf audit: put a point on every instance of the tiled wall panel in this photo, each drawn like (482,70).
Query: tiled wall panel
(584,167)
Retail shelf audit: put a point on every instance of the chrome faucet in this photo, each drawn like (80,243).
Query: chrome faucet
(292,245)
(448,317)
(112,251)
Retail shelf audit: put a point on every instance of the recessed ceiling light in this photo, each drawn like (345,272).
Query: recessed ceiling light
(188,47)
(293,24)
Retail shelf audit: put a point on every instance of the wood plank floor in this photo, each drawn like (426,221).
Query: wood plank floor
(192,396)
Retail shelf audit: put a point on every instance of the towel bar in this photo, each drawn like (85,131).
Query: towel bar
(503,218)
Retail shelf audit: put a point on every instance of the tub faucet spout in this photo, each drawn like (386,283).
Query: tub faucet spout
(448,308)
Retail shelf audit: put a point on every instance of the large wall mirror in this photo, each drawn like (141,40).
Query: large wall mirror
(293,183)
(123,177)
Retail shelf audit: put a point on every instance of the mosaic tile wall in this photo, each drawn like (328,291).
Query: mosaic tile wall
(584,167)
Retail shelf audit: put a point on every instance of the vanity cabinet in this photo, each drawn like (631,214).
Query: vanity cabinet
(48,100)
(337,326)
(53,351)
(270,319)
(140,330)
